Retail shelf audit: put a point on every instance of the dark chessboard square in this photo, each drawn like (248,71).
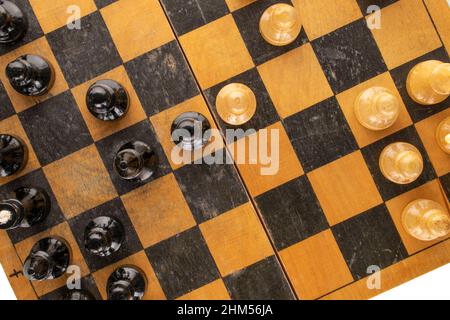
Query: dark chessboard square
(291,212)
(162,78)
(86,283)
(371,153)
(182,263)
(103,3)
(349,56)
(264,280)
(55,128)
(7,108)
(34,179)
(108,148)
(85,53)
(445,181)
(369,239)
(320,134)
(366,4)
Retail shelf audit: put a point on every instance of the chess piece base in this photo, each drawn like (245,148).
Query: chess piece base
(136,161)
(126,283)
(107,100)
(280,24)
(103,236)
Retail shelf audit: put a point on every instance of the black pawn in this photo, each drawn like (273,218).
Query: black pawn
(25,208)
(13,155)
(191,131)
(103,236)
(13,23)
(107,100)
(48,259)
(136,161)
(30,75)
(78,295)
(126,283)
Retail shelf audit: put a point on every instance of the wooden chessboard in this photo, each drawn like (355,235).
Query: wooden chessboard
(226,231)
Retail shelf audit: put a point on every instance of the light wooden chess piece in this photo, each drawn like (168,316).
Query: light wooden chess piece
(401,163)
(377,108)
(443,135)
(236,104)
(280,24)
(428,82)
(426,220)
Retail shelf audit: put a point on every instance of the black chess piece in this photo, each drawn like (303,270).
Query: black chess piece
(191,131)
(25,208)
(13,155)
(30,75)
(13,22)
(78,295)
(107,100)
(136,161)
(103,236)
(48,259)
(126,283)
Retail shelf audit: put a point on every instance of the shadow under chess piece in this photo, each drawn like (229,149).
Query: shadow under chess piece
(48,259)
(13,155)
(236,104)
(443,135)
(13,22)
(107,100)
(126,283)
(280,24)
(377,108)
(30,75)
(428,82)
(103,236)
(426,220)
(78,295)
(26,208)
(401,163)
(136,161)
(191,131)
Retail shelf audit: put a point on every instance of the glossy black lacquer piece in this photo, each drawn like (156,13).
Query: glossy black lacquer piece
(103,236)
(107,100)
(191,131)
(13,22)
(30,75)
(48,259)
(25,208)
(78,295)
(136,161)
(126,283)
(13,155)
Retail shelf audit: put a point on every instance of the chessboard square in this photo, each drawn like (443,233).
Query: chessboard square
(320,17)
(440,13)
(86,283)
(215,290)
(50,125)
(291,213)
(101,129)
(295,81)
(347,100)
(139,260)
(81,52)
(430,191)
(216,52)
(349,56)
(53,15)
(145,29)
(316,266)
(236,239)
(345,188)
(162,78)
(407,32)
(80,181)
(369,239)
(160,216)
(320,134)
(38,47)
(237,4)
(368,6)
(182,263)
(7,108)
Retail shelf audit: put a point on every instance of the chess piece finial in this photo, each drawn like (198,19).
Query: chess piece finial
(401,163)
(25,208)
(13,155)
(426,220)
(236,104)
(107,100)
(78,295)
(126,283)
(48,259)
(280,24)
(443,135)
(30,75)
(136,161)
(13,22)
(191,131)
(428,82)
(377,108)
(103,236)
